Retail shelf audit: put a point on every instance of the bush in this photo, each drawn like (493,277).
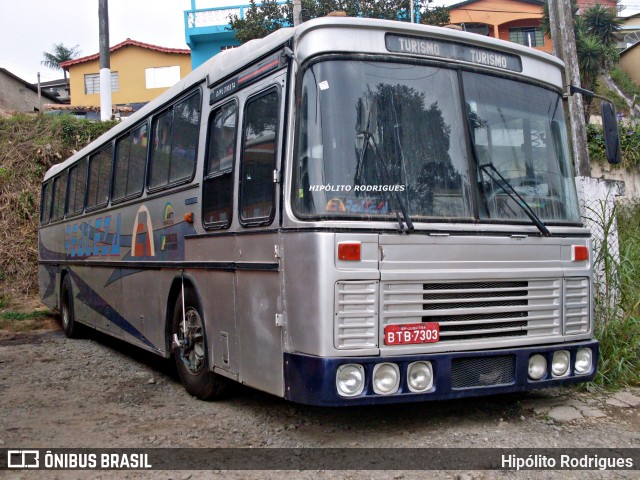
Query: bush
(629,145)
(29,145)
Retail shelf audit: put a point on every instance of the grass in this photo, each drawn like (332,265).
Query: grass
(618,329)
(16,322)
(624,82)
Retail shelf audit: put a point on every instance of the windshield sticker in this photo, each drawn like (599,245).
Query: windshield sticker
(324,85)
(356,188)
(429,47)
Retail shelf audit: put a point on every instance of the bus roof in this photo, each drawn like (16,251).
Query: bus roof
(227,62)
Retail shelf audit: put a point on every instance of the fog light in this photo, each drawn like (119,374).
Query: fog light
(584,359)
(386,378)
(537,367)
(560,363)
(420,376)
(350,380)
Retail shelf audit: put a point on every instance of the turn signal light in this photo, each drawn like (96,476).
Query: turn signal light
(579,253)
(349,251)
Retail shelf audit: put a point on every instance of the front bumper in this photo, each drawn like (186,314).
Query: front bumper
(312,380)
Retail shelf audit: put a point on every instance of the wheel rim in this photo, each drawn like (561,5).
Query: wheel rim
(65,311)
(192,353)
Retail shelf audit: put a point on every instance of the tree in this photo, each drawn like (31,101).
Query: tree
(60,54)
(595,31)
(261,20)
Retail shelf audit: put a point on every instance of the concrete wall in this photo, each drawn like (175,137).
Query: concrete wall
(15,96)
(631,179)
(630,62)
(130,62)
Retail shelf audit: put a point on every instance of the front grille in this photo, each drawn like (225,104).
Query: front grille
(482,371)
(468,311)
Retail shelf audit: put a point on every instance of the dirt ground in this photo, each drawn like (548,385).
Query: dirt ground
(99,392)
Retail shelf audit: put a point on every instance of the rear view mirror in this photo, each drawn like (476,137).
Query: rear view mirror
(610,130)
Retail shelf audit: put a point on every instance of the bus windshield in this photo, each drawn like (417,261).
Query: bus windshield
(377,138)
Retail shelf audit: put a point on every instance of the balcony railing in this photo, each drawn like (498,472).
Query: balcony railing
(214,17)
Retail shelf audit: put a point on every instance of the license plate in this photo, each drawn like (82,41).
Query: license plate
(412,333)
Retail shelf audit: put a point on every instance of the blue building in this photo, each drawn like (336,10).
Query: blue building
(207,30)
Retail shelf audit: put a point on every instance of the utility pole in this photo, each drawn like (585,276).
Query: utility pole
(564,47)
(39,94)
(105,68)
(297,12)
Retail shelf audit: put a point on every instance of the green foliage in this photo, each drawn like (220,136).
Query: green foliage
(619,102)
(625,83)
(617,325)
(629,145)
(261,20)
(619,363)
(29,145)
(24,315)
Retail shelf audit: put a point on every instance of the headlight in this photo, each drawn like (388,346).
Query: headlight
(537,367)
(420,376)
(350,380)
(584,359)
(386,378)
(560,363)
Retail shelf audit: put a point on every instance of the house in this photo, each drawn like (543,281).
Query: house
(208,32)
(19,95)
(56,88)
(629,33)
(139,73)
(630,62)
(517,21)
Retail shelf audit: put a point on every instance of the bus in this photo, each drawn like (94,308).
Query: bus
(346,212)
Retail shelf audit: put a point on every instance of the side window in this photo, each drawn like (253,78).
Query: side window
(175,142)
(131,158)
(59,196)
(217,201)
(45,212)
(257,190)
(77,187)
(100,177)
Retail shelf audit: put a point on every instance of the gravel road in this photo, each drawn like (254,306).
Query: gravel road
(99,392)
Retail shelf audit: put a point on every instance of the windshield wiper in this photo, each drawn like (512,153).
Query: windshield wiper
(402,216)
(515,196)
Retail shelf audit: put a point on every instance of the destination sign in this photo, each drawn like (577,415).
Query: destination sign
(252,74)
(429,47)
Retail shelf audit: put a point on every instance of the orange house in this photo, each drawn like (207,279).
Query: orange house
(516,21)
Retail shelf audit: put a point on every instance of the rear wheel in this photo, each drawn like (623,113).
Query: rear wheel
(69,326)
(191,355)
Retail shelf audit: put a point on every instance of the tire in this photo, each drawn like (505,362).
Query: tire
(192,358)
(70,327)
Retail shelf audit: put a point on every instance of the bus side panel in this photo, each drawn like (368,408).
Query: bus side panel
(257,302)
(217,297)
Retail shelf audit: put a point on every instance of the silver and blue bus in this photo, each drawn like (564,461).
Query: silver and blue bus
(346,212)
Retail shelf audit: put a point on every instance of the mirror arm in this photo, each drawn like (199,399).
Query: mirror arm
(587,93)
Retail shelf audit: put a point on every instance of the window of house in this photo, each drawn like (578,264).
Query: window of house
(161,77)
(59,196)
(175,142)
(100,177)
(530,36)
(257,191)
(217,202)
(131,159)
(92,83)
(77,187)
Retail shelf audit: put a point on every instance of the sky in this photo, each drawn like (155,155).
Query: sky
(30,27)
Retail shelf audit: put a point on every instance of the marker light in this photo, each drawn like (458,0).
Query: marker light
(349,251)
(584,359)
(537,367)
(579,253)
(560,363)
(188,217)
(420,376)
(386,378)
(350,380)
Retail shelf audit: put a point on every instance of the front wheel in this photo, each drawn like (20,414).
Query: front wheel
(191,351)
